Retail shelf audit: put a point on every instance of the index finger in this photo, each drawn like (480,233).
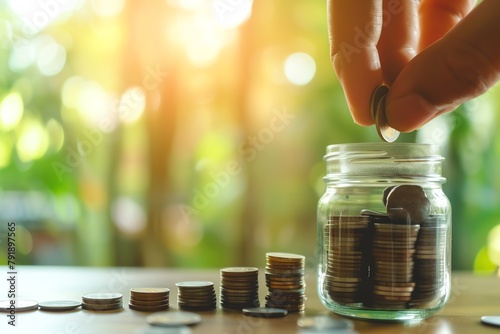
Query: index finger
(354,28)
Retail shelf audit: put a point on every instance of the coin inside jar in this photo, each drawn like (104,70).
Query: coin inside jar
(408,202)
(378,113)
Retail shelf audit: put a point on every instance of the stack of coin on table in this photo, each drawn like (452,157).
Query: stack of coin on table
(149,299)
(347,259)
(196,296)
(102,301)
(285,281)
(239,287)
(430,265)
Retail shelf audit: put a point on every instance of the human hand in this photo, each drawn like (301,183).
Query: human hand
(433,54)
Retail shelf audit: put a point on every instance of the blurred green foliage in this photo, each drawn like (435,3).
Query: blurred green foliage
(169,133)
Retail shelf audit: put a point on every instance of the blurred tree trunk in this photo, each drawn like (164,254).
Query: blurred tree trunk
(150,64)
(249,213)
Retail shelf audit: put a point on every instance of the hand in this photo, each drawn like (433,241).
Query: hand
(433,54)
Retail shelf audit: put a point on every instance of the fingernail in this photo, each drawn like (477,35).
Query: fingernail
(409,112)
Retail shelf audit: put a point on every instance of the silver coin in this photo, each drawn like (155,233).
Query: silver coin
(377,110)
(59,305)
(170,319)
(102,297)
(19,305)
(194,285)
(265,312)
(323,322)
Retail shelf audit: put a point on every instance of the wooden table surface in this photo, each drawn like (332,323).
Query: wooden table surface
(472,296)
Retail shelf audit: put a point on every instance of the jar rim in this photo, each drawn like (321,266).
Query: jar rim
(407,150)
(377,162)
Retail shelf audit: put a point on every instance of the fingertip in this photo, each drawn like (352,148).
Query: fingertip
(410,112)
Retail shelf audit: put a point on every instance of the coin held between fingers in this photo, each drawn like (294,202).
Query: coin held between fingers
(378,113)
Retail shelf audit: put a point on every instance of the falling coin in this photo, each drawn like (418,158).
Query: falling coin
(378,113)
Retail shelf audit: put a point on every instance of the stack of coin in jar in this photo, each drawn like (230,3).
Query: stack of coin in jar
(429,264)
(239,287)
(149,299)
(285,281)
(391,272)
(347,260)
(102,301)
(196,296)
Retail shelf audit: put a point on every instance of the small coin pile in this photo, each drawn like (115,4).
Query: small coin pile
(103,301)
(196,296)
(378,113)
(430,265)
(347,259)
(239,287)
(285,281)
(392,270)
(149,299)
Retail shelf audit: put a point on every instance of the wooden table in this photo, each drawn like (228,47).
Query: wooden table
(472,296)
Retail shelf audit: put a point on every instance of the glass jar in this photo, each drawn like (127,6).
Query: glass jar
(384,232)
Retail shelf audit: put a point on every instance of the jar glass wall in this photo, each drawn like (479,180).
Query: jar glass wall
(384,231)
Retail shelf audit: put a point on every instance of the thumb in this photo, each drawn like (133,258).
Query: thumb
(460,66)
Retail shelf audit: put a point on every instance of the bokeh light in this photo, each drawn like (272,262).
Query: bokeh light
(22,56)
(299,68)
(132,104)
(129,217)
(11,111)
(55,132)
(33,141)
(51,58)
(494,245)
(231,14)
(106,8)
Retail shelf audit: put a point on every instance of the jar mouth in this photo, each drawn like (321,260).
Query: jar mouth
(402,161)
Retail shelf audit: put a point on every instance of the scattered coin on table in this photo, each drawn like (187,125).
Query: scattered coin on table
(491,320)
(322,322)
(265,312)
(173,318)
